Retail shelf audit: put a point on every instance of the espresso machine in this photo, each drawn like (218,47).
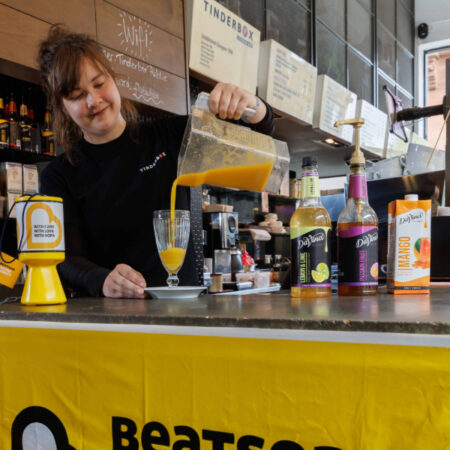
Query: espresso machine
(221,230)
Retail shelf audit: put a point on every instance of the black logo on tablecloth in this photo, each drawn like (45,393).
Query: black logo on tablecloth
(38,414)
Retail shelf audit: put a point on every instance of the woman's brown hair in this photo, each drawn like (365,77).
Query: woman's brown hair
(60,57)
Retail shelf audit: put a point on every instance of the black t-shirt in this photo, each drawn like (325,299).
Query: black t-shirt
(109,197)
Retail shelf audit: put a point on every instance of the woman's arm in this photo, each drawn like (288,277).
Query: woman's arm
(77,271)
(229,102)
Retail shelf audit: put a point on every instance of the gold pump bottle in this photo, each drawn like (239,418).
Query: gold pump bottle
(310,239)
(357,230)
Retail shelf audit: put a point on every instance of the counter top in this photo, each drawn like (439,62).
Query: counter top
(424,314)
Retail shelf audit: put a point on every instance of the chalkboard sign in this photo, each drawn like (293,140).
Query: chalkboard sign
(165,14)
(148,84)
(149,61)
(144,40)
(133,36)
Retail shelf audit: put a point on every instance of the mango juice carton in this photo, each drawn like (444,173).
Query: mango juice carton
(409,246)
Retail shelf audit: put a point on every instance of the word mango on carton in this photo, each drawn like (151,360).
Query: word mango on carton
(409,246)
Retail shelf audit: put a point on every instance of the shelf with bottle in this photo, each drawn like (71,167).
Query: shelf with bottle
(26,134)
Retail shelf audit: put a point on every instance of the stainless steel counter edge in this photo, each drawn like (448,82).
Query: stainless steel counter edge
(423,314)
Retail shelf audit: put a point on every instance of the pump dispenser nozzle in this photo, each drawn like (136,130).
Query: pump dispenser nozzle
(357,123)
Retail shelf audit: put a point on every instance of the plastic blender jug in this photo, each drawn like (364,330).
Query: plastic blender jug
(225,154)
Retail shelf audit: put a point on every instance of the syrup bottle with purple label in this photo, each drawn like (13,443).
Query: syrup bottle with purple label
(357,230)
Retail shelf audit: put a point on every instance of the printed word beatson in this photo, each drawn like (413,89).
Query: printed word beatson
(155,433)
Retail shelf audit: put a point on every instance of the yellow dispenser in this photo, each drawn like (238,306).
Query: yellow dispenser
(40,236)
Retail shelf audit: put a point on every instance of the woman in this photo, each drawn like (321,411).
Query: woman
(114,172)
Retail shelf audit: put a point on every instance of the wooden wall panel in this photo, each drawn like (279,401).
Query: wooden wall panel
(147,84)
(165,14)
(79,15)
(19,36)
(139,39)
(150,62)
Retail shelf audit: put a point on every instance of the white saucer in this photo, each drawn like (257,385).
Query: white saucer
(179,292)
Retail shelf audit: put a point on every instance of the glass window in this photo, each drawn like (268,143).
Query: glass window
(405,72)
(359,27)
(406,99)
(306,3)
(232,5)
(252,11)
(368,4)
(409,4)
(360,77)
(332,13)
(330,55)
(289,24)
(386,51)
(386,14)
(405,27)
(381,95)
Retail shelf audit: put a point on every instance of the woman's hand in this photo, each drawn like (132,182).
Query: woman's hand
(230,101)
(124,282)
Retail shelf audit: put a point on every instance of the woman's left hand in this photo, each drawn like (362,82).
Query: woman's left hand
(229,102)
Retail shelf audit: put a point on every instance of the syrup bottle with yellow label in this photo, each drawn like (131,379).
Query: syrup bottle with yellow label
(357,230)
(310,230)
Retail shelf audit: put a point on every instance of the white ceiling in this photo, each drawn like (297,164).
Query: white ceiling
(435,13)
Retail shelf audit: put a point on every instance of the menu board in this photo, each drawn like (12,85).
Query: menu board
(333,102)
(286,81)
(149,61)
(222,46)
(373,132)
(147,84)
(139,39)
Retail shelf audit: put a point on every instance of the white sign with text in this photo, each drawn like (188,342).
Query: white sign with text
(333,102)
(222,46)
(373,132)
(286,81)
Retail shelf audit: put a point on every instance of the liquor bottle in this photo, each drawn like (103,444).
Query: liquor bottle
(24,128)
(4,126)
(14,136)
(357,230)
(47,136)
(310,239)
(35,135)
(35,140)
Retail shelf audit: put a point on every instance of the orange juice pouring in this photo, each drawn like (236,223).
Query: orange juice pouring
(409,246)
(222,154)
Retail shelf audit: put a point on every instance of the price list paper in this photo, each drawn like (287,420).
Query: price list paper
(333,102)
(287,81)
(373,132)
